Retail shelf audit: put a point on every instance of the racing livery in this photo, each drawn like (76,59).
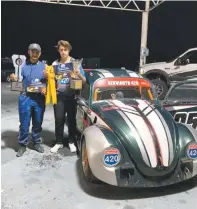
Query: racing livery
(126,138)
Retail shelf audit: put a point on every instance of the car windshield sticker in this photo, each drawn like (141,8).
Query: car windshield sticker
(111,157)
(121,82)
(192,151)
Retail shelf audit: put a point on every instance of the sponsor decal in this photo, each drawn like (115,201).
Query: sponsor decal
(110,108)
(111,157)
(123,83)
(192,151)
(189,118)
(65,81)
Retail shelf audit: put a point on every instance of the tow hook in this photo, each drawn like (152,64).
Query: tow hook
(187,172)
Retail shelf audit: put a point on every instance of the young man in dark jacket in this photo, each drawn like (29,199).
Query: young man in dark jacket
(65,97)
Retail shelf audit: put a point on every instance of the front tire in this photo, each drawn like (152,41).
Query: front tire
(161,88)
(86,170)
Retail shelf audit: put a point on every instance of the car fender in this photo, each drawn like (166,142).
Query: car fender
(160,72)
(186,134)
(96,143)
(191,136)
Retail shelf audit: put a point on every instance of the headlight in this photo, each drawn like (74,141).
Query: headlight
(191,150)
(111,157)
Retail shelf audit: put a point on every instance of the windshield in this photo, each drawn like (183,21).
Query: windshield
(120,93)
(184,92)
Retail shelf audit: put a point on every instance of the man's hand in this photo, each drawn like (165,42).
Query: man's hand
(13,77)
(43,91)
(45,74)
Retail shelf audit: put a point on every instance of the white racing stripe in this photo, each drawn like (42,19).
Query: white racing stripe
(133,74)
(161,130)
(101,75)
(106,73)
(131,116)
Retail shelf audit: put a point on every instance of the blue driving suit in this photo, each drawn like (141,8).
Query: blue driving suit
(31,105)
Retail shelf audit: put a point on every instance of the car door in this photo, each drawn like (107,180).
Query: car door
(184,66)
(181,102)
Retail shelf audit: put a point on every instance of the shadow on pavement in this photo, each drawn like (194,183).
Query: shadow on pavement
(105,191)
(10,139)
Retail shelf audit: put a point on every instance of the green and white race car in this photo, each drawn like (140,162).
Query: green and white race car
(127,138)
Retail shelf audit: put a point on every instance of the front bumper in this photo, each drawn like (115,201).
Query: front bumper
(128,176)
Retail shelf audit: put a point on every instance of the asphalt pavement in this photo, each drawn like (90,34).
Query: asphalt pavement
(46,181)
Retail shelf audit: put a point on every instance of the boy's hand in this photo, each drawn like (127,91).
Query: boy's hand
(77,72)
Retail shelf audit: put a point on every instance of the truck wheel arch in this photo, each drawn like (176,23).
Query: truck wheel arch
(153,74)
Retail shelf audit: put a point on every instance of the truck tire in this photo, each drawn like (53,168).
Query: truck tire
(161,88)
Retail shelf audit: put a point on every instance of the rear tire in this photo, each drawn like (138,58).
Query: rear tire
(161,88)
(86,170)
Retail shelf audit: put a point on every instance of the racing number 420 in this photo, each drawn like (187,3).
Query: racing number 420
(189,118)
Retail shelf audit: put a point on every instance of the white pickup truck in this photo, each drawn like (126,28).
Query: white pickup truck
(164,74)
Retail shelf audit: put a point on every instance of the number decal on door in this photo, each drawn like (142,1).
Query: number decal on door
(189,118)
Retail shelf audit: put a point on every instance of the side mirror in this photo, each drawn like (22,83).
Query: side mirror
(178,62)
(81,102)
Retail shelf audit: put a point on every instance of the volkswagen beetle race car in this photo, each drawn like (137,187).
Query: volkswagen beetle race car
(126,138)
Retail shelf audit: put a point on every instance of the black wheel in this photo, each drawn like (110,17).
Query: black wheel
(161,88)
(86,170)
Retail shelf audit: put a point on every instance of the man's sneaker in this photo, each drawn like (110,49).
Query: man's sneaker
(38,148)
(21,151)
(56,148)
(72,147)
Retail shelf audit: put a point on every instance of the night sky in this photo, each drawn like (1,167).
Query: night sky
(112,35)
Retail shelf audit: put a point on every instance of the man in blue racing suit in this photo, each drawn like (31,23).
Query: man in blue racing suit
(31,104)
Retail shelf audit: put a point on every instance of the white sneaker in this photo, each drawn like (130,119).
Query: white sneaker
(72,147)
(56,148)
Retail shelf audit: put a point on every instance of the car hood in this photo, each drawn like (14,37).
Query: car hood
(147,131)
(152,66)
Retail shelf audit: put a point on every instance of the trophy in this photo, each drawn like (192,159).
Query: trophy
(16,79)
(75,82)
(36,86)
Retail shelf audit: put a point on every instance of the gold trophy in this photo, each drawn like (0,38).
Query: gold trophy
(16,85)
(75,82)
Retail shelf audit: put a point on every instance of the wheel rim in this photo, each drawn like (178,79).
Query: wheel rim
(85,163)
(159,89)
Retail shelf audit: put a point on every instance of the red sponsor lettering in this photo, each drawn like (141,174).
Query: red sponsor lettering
(111,151)
(121,82)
